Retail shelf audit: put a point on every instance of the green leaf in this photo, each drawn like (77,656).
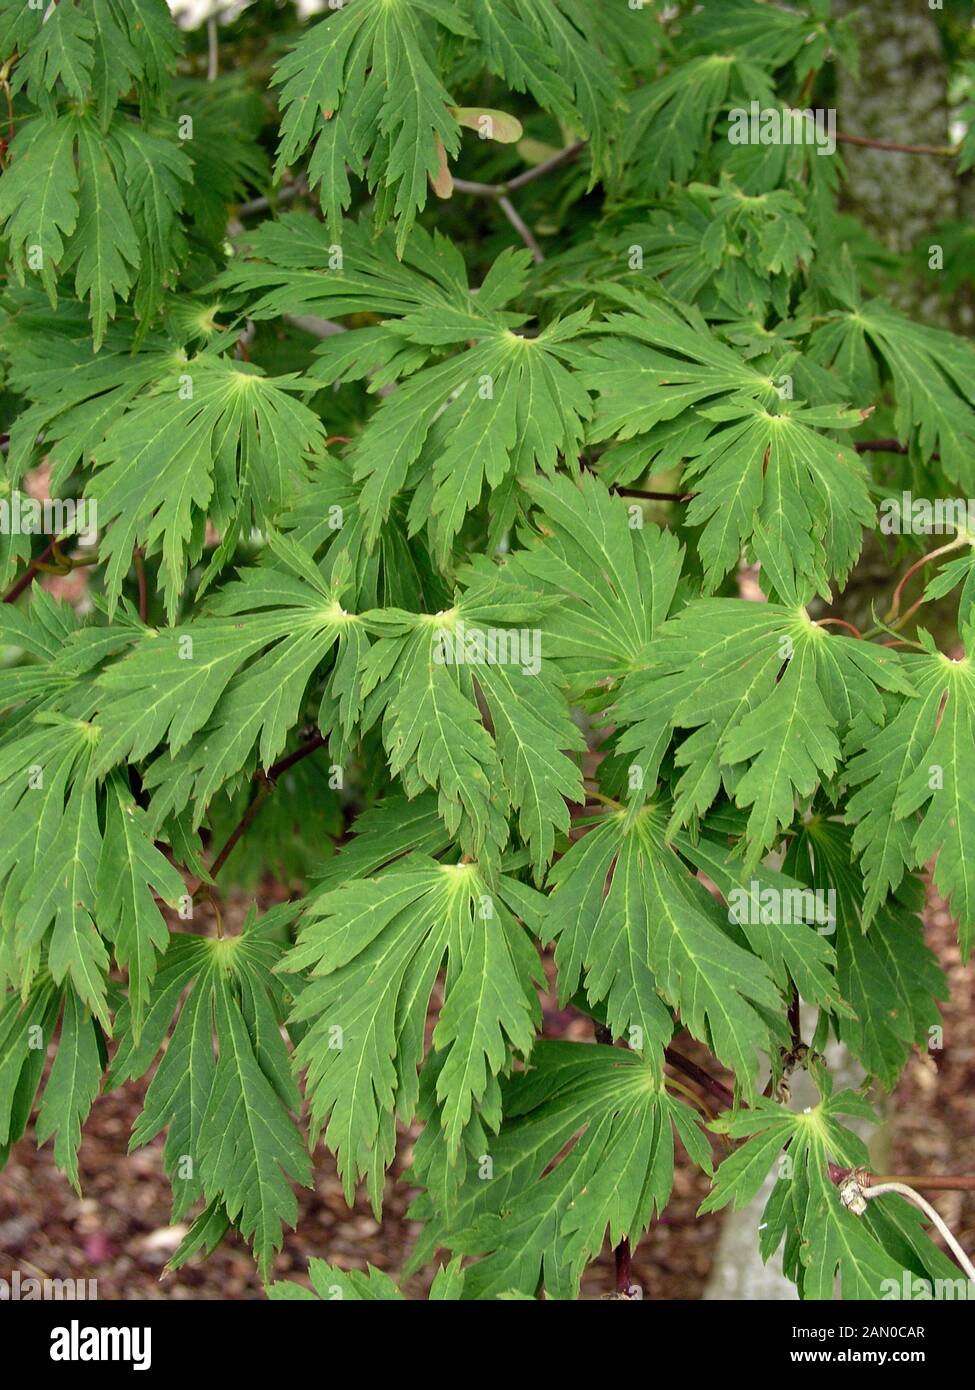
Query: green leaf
(130,872)
(757,461)
(243,439)
(39,198)
(190,687)
(50,860)
(71,1087)
(230,1137)
(606,1118)
(372,949)
(914,800)
(732,671)
(373,57)
(61,50)
(105,249)
(656,936)
(931,370)
(823,1240)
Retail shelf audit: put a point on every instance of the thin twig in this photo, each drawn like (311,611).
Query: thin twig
(838,622)
(933,1183)
(522,228)
(268,781)
(895,603)
(293,190)
(481,190)
(943,151)
(653,496)
(887,446)
(555,161)
(698,1074)
(243,824)
(312,745)
(537,171)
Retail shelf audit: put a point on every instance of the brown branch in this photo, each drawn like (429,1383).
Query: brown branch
(880,446)
(653,496)
(895,603)
(555,161)
(944,151)
(312,745)
(703,1078)
(268,781)
(29,575)
(243,824)
(887,446)
(624,1269)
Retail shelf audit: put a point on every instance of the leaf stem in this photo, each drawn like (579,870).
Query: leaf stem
(837,622)
(895,602)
